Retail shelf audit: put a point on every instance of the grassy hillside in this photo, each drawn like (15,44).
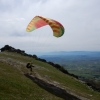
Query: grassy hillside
(45,83)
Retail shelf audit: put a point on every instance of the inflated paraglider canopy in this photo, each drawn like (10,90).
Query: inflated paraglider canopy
(39,21)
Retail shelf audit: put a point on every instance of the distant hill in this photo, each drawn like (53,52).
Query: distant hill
(46,82)
(72,53)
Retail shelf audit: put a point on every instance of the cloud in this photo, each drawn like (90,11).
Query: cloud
(81,20)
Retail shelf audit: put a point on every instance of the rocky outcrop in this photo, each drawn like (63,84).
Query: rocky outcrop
(54,89)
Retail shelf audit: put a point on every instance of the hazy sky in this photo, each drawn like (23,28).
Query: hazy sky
(80,18)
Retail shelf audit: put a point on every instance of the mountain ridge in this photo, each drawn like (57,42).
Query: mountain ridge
(69,53)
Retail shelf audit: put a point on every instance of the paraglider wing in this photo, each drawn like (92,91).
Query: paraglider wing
(38,21)
(35,23)
(58,29)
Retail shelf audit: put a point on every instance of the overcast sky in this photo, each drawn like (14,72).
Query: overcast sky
(80,18)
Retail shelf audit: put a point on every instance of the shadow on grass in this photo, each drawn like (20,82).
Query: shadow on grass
(52,88)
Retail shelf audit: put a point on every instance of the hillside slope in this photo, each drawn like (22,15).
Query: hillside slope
(45,83)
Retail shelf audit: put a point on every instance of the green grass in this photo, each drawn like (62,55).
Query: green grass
(14,85)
